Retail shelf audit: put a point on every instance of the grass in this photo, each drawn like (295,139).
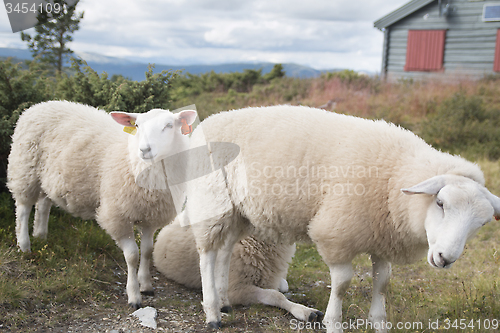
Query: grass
(83,273)
(79,267)
(66,269)
(418,294)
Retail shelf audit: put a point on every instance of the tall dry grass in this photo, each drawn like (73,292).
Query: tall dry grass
(351,93)
(373,98)
(442,112)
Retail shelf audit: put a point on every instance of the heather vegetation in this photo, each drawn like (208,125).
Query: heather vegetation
(78,267)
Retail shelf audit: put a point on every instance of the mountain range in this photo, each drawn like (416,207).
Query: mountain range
(135,70)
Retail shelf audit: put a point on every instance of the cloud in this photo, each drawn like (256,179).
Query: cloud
(318,33)
(288,36)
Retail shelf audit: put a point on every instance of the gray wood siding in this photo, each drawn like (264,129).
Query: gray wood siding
(469,45)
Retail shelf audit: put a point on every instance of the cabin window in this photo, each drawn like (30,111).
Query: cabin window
(425,50)
(491,12)
(496,64)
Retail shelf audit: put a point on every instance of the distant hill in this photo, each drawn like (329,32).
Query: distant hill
(135,70)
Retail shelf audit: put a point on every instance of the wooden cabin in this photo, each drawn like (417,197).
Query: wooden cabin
(441,38)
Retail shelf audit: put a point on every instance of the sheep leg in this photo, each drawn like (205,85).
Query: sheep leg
(42,211)
(131,253)
(275,298)
(146,252)
(381,276)
(211,301)
(341,275)
(22,226)
(283,286)
(222,264)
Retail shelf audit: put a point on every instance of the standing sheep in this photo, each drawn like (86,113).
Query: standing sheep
(258,269)
(78,158)
(337,180)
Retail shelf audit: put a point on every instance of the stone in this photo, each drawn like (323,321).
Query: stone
(146,316)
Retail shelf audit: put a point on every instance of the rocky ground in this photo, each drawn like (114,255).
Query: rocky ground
(178,310)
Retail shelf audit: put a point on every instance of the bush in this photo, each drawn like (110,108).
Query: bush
(462,124)
(118,93)
(189,85)
(21,88)
(351,78)
(276,73)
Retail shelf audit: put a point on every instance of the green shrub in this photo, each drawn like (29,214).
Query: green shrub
(22,88)
(276,73)
(19,89)
(190,85)
(116,93)
(351,79)
(462,124)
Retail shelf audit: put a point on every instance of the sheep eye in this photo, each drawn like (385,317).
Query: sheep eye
(169,125)
(439,203)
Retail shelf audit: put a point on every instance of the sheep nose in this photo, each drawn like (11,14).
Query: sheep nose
(145,150)
(446,262)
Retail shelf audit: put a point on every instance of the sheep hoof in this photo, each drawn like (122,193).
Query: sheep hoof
(226,309)
(148,292)
(315,316)
(135,306)
(214,325)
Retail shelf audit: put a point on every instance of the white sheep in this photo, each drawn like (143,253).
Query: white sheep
(78,158)
(258,269)
(337,180)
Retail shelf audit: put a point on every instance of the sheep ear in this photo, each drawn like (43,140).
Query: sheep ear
(495,203)
(124,118)
(430,186)
(188,115)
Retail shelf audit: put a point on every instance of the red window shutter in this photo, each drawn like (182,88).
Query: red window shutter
(425,50)
(496,64)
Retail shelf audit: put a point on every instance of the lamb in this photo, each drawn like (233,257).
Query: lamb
(258,269)
(349,184)
(80,159)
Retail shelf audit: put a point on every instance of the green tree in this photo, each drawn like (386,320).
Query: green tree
(276,72)
(53,33)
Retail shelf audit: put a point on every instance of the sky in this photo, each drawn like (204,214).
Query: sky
(323,34)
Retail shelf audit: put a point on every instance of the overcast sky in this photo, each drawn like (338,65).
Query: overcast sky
(322,34)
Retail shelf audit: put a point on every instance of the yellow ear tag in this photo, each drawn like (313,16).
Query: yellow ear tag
(130,129)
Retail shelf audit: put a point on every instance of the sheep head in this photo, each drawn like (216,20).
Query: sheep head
(160,133)
(459,208)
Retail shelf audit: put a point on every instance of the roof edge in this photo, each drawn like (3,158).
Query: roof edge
(400,13)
